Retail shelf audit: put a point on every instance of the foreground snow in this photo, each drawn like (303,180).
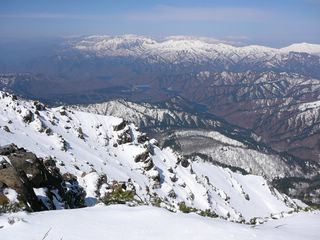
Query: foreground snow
(122,222)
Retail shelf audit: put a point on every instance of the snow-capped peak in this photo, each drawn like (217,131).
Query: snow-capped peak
(106,43)
(302,47)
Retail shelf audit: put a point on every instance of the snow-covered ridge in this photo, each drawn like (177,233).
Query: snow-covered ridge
(170,48)
(142,115)
(89,146)
(192,139)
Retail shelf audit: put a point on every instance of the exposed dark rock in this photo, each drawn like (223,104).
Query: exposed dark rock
(141,157)
(28,117)
(73,194)
(80,133)
(17,179)
(148,164)
(142,138)
(25,172)
(124,137)
(247,197)
(63,112)
(174,178)
(6,128)
(14,97)
(8,149)
(185,163)
(3,199)
(102,180)
(120,126)
(64,144)
(49,162)
(172,194)
(39,106)
(48,131)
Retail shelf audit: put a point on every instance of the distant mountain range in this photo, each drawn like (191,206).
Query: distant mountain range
(173,48)
(273,92)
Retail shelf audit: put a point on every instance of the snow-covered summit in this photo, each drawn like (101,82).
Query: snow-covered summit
(302,47)
(107,44)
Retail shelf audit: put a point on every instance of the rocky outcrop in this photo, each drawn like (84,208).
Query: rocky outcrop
(120,126)
(142,157)
(124,136)
(25,173)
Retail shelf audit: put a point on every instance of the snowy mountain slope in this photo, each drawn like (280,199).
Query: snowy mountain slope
(233,147)
(146,115)
(305,118)
(90,146)
(122,222)
(215,147)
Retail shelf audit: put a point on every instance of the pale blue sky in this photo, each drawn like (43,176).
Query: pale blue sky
(274,23)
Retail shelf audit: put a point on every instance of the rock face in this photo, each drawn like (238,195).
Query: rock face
(25,173)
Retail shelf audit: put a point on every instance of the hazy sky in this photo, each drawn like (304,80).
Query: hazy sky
(273,22)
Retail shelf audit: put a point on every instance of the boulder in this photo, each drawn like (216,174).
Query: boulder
(148,164)
(142,157)
(23,171)
(184,163)
(28,117)
(39,106)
